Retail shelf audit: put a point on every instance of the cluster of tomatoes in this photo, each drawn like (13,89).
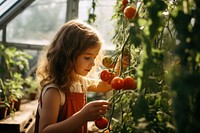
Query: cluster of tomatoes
(116,82)
(128,10)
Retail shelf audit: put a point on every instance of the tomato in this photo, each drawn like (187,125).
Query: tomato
(129,83)
(130,12)
(101,123)
(106,76)
(107,61)
(117,83)
(126,61)
(124,2)
(123,7)
(112,66)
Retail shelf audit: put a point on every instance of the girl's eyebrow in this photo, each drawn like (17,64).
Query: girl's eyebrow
(88,54)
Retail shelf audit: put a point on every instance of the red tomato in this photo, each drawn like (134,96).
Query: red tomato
(130,12)
(117,83)
(106,76)
(124,2)
(129,83)
(101,123)
(123,7)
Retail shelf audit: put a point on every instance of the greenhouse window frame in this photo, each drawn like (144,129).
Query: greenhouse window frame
(12,11)
(17,8)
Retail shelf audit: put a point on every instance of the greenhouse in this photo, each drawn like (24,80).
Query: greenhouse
(99,66)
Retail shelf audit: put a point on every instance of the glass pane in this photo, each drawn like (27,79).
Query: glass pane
(2,1)
(6,5)
(38,23)
(104,11)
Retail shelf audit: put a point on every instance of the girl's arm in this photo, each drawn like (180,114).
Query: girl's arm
(50,109)
(99,86)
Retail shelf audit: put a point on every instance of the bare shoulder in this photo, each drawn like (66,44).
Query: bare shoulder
(50,108)
(51,97)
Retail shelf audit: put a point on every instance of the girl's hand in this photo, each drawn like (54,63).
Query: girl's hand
(94,110)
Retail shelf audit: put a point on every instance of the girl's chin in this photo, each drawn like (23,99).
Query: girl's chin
(84,73)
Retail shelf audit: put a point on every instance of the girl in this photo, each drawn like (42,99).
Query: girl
(62,104)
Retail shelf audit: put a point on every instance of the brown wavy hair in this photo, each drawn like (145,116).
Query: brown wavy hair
(57,60)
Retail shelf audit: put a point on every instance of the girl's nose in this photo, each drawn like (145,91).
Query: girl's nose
(92,63)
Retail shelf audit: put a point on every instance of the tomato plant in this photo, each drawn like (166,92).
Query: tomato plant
(130,12)
(117,83)
(165,48)
(139,37)
(101,123)
(129,83)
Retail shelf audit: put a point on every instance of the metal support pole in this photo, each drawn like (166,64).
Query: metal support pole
(72,9)
(4,35)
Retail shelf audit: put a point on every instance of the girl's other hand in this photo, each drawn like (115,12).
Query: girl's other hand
(94,110)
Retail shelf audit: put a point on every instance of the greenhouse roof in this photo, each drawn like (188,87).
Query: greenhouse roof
(11,8)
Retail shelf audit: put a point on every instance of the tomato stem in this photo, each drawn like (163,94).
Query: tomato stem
(113,100)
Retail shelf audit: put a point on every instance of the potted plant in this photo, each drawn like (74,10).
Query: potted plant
(32,87)
(4,104)
(14,63)
(15,88)
(3,109)
(12,91)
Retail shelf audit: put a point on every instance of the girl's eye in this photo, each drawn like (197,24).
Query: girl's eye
(87,58)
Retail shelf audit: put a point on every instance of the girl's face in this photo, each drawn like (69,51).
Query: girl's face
(86,60)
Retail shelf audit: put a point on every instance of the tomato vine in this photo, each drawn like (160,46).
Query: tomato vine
(163,42)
